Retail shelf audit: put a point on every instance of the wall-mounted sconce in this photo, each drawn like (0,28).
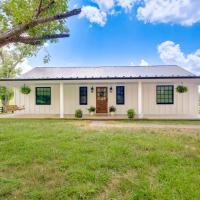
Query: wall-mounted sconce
(92,89)
(111,89)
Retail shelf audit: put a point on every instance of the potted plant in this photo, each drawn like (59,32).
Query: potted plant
(181,89)
(112,110)
(25,89)
(131,113)
(92,110)
(78,113)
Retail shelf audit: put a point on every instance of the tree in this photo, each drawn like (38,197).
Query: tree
(34,21)
(6,94)
(28,24)
(10,57)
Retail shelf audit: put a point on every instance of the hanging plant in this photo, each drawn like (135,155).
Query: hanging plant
(181,89)
(25,89)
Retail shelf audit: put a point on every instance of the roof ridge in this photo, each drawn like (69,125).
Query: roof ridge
(111,66)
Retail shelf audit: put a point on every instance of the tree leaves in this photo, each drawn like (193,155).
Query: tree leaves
(20,17)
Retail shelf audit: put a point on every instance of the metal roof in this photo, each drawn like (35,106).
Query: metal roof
(159,71)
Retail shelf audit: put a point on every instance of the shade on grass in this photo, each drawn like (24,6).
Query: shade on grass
(58,159)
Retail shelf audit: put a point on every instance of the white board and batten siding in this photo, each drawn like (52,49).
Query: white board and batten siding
(29,101)
(184,104)
(72,97)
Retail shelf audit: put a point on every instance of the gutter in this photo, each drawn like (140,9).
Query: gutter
(101,78)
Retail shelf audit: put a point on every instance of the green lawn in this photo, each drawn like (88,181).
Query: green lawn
(178,122)
(60,159)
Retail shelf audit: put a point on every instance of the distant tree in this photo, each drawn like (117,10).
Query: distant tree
(10,57)
(6,94)
(34,21)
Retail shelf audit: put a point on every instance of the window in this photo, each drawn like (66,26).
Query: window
(165,94)
(43,96)
(120,95)
(83,95)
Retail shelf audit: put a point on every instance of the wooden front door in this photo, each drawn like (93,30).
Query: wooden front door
(102,99)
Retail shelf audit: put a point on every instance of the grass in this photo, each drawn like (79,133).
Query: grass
(59,159)
(163,121)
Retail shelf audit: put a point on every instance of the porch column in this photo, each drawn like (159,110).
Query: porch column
(140,114)
(61,100)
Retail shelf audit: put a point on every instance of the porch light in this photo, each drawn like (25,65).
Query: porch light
(111,89)
(92,89)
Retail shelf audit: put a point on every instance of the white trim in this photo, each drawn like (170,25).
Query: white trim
(61,100)
(140,113)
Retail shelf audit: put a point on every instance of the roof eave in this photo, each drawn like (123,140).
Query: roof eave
(102,78)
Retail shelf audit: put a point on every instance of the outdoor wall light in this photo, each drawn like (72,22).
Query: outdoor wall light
(111,89)
(92,89)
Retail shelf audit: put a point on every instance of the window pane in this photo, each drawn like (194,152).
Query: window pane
(83,95)
(43,96)
(165,94)
(120,95)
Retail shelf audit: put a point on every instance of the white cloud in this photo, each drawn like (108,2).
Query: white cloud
(94,15)
(104,4)
(144,63)
(184,12)
(127,4)
(110,4)
(104,8)
(24,66)
(132,63)
(171,53)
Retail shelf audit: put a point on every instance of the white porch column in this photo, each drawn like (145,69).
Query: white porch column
(140,114)
(61,100)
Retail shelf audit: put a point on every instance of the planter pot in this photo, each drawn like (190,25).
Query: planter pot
(112,113)
(91,113)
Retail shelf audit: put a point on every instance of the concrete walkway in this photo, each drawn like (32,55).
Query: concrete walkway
(104,124)
(95,117)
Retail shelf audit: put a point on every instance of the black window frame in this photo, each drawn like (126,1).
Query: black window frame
(80,93)
(119,93)
(36,96)
(166,99)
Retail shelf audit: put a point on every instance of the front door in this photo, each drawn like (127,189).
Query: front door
(102,99)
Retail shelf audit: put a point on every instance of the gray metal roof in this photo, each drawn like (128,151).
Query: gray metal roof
(106,72)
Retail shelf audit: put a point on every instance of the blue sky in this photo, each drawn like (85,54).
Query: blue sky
(124,38)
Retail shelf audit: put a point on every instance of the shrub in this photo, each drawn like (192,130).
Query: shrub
(112,109)
(181,89)
(91,109)
(25,89)
(131,113)
(78,113)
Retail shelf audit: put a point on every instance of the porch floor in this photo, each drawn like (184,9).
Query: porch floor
(97,117)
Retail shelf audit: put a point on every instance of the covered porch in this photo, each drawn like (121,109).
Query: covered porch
(139,94)
(65,98)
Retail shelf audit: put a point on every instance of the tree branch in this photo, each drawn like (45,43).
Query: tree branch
(19,60)
(38,40)
(44,8)
(2,56)
(38,9)
(12,35)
